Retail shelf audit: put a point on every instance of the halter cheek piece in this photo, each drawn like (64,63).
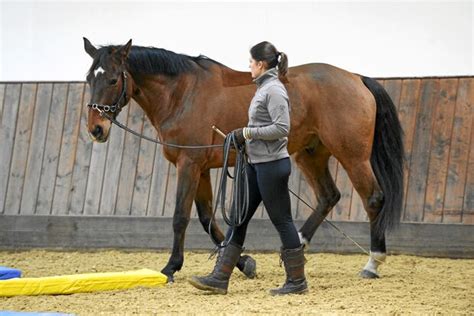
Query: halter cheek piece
(117,106)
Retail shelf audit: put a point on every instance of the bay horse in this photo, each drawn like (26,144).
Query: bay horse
(333,113)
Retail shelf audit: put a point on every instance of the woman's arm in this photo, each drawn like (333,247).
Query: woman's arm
(278,109)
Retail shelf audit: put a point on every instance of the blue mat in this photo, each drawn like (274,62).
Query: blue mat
(9,273)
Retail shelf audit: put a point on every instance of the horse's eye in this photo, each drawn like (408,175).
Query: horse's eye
(112,81)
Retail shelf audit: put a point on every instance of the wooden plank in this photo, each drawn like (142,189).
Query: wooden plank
(113,165)
(3,87)
(146,158)
(295,186)
(394,89)
(458,154)
(37,148)
(82,162)
(439,153)
(20,149)
(342,209)
(305,192)
(407,112)
(229,195)
(215,178)
(159,178)
(7,137)
(261,211)
(63,185)
(468,208)
(93,232)
(421,151)
(52,147)
(126,182)
(95,178)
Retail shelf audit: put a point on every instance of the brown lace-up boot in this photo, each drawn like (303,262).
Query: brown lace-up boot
(218,280)
(295,283)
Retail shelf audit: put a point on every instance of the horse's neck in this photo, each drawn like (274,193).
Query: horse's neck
(159,95)
(163,98)
(233,78)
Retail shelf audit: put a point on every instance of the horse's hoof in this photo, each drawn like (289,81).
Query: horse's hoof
(169,275)
(250,267)
(170,279)
(366,274)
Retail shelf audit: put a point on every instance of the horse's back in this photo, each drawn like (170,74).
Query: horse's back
(324,74)
(333,104)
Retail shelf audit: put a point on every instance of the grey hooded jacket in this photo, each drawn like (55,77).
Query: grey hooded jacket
(269,120)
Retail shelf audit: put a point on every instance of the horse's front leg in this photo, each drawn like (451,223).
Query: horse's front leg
(188,180)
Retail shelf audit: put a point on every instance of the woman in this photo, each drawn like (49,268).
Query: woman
(268,170)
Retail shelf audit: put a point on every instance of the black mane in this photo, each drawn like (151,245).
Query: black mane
(151,60)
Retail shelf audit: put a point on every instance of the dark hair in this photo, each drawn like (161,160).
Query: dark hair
(151,60)
(267,52)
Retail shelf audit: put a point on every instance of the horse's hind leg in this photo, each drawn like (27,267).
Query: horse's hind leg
(366,185)
(313,162)
(203,202)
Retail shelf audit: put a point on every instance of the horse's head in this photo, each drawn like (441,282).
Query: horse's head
(110,86)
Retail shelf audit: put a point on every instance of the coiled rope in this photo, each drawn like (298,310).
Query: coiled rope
(240,191)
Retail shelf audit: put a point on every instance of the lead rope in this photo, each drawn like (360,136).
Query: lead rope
(332,225)
(110,118)
(240,192)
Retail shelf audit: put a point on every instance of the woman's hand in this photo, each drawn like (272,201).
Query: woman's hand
(239,136)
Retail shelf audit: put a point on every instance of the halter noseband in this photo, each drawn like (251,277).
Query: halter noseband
(116,107)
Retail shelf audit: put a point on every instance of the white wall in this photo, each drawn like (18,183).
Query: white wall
(42,40)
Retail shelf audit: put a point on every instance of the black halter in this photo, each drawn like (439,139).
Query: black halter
(117,106)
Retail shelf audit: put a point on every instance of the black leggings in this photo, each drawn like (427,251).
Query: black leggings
(268,181)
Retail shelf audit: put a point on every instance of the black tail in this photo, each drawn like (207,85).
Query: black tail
(387,157)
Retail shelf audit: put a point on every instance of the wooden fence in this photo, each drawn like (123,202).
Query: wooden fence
(49,166)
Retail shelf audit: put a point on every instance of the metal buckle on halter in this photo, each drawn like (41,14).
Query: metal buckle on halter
(96,107)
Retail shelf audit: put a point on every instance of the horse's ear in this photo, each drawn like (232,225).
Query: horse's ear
(125,50)
(90,49)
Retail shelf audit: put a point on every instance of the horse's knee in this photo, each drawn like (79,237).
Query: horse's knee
(180,223)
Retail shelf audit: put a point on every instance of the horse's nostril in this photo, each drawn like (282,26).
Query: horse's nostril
(97,131)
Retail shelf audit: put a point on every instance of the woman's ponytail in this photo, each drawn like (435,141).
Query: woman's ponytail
(282,64)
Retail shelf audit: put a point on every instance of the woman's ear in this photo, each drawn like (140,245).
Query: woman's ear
(260,64)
